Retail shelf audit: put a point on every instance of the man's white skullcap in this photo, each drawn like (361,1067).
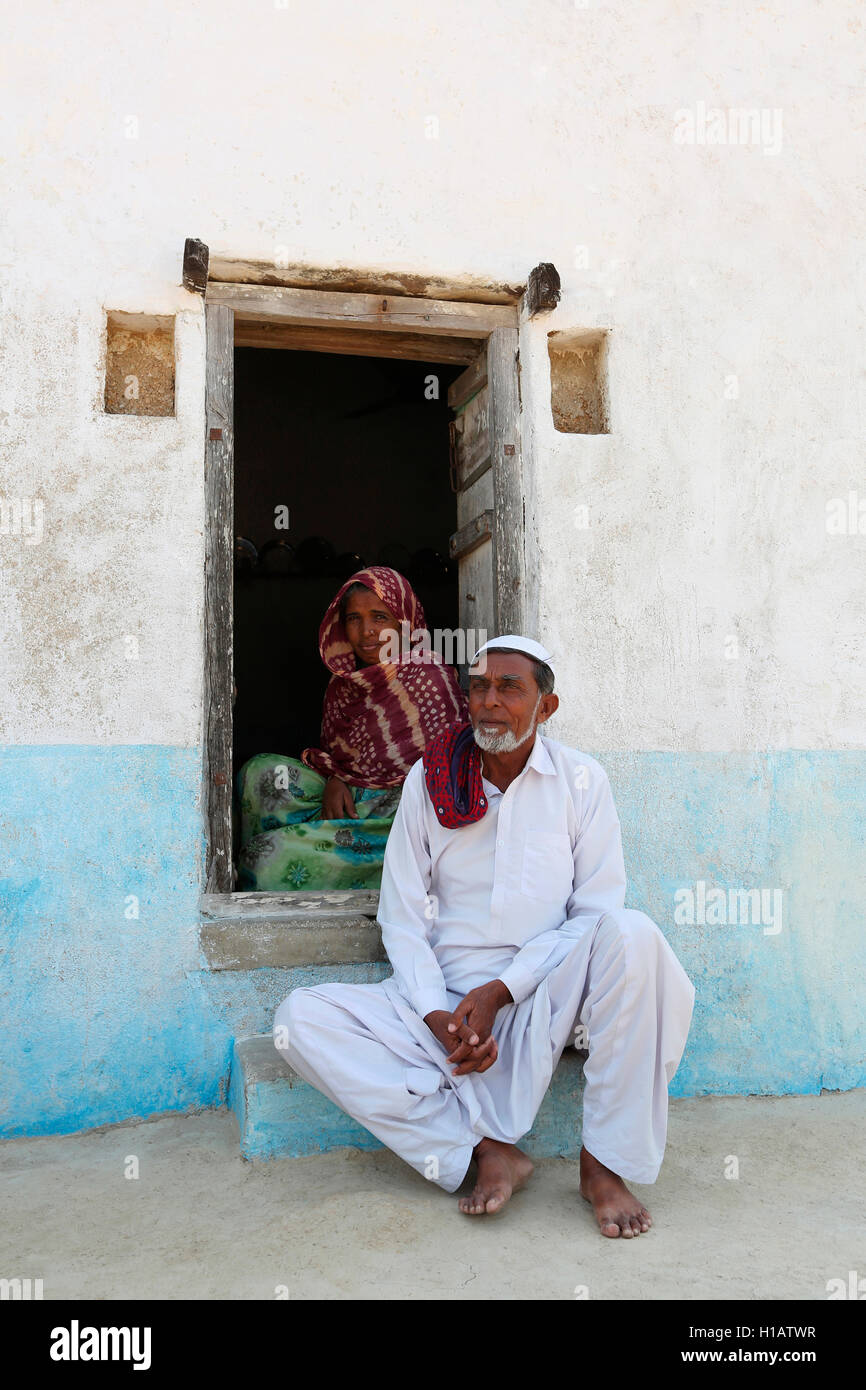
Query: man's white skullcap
(519,644)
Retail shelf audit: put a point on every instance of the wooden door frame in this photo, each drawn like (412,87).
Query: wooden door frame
(363,325)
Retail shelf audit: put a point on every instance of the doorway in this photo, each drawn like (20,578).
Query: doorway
(339,462)
(465,476)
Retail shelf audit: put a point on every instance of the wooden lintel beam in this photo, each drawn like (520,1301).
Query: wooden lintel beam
(385,313)
(357,342)
(234,270)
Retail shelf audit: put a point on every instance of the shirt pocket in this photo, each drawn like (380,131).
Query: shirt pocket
(547,873)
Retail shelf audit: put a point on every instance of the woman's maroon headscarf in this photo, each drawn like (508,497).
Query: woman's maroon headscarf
(378,719)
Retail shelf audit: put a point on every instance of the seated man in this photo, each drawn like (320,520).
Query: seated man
(502,915)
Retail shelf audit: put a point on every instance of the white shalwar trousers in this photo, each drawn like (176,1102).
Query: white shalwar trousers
(365,1048)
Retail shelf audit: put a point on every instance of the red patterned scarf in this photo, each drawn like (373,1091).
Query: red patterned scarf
(452,772)
(378,719)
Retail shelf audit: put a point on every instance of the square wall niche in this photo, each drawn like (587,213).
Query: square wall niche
(578,381)
(139,364)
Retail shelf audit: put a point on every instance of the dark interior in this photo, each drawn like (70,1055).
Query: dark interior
(359,455)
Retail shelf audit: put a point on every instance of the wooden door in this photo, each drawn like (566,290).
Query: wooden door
(486,477)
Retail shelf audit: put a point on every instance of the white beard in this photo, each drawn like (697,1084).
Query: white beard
(507,742)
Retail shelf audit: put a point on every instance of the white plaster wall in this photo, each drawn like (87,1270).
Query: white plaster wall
(304,128)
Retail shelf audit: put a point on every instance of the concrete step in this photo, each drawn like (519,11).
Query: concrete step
(280,1115)
(257,931)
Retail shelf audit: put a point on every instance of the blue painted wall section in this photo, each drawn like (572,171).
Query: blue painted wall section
(108,1017)
(102,1020)
(774,1013)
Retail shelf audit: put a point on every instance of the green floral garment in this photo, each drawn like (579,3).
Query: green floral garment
(286,846)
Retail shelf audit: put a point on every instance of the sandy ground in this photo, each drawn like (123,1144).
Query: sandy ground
(200,1223)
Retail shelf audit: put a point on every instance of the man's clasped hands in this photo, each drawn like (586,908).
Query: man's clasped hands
(466,1034)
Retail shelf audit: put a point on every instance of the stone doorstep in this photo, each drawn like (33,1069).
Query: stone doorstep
(280,1115)
(254,931)
(277,942)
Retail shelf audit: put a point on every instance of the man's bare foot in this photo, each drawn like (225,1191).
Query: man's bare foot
(617,1211)
(502,1169)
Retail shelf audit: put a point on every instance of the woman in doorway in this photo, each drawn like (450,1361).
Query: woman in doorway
(321,823)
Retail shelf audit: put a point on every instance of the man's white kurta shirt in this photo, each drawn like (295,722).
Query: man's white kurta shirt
(501,898)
